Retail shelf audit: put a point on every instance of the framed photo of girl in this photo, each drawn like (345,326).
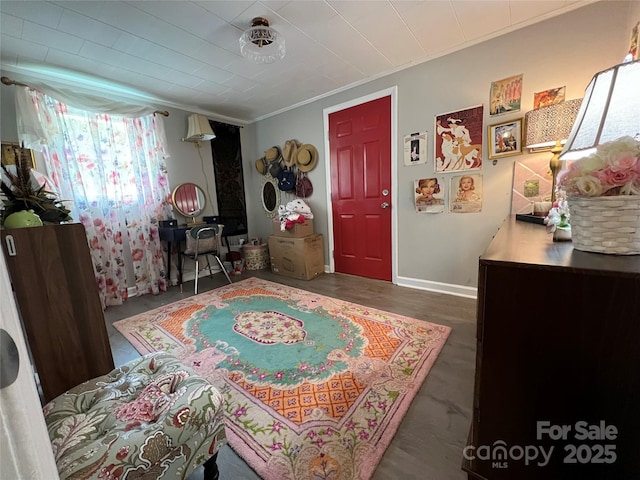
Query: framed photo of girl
(505,139)
(429,195)
(465,194)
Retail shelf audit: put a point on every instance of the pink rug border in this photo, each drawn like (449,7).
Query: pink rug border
(247,454)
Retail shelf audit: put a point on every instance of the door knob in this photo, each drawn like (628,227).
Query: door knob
(384,205)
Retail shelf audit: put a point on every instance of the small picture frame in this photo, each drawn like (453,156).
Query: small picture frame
(549,97)
(12,150)
(505,139)
(505,95)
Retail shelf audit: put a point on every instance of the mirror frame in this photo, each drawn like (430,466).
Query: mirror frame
(269,180)
(199,192)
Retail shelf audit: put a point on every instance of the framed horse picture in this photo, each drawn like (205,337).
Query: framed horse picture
(458,140)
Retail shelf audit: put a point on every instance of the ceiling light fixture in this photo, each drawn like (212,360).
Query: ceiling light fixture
(261,43)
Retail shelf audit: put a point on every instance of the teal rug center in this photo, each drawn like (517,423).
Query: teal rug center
(299,341)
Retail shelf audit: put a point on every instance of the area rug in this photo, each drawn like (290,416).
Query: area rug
(315,387)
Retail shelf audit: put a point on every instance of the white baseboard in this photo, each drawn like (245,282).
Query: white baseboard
(438,287)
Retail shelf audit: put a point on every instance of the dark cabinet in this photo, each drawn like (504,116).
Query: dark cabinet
(55,287)
(558,361)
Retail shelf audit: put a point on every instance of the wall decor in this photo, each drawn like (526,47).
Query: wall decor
(531,184)
(458,140)
(415,148)
(229,177)
(505,139)
(270,195)
(429,195)
(466,193)
(12,150)
(506,95)
(549,97)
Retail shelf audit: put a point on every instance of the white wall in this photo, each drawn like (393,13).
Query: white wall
(434,249)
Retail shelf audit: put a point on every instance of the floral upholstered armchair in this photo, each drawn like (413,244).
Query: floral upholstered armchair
(151,418)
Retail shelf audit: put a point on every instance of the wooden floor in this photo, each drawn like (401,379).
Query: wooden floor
(428,445)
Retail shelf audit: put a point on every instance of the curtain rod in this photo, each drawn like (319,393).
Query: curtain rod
(8,81)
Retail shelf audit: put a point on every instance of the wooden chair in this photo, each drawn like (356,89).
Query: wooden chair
(203,240)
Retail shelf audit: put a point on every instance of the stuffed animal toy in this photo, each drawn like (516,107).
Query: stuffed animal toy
(300,207)
(296,211)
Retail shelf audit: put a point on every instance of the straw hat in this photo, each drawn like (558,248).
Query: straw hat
(307,157)
(273,154)
(261,166)
(289,152)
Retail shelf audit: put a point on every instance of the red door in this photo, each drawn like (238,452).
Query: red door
(360,151)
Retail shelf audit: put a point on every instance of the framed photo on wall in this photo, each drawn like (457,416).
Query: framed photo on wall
(11,151)
(505,139)
(429,195)
(458,140)
(465,194)
(549,97)
(415,148)
(506,95)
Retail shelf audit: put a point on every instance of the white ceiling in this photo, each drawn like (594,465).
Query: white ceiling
(185,54)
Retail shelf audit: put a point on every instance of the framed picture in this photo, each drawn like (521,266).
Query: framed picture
(506,95)
(458,140)
(549,97)
(429,195)
(415,148)
(505,139)
(11,151)
(465,194)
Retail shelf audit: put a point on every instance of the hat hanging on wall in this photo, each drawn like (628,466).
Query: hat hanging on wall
(273,154)
(290,151)
(307,157)
(275,168)
(261,166)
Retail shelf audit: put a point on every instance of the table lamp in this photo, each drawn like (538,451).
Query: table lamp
(550,126)
(610,110)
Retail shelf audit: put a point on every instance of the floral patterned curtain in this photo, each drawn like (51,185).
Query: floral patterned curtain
(112,171)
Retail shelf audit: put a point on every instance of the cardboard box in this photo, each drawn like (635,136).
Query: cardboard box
(301,258)
(299,230)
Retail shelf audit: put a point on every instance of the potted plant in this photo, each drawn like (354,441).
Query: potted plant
(557,221)
(20,195)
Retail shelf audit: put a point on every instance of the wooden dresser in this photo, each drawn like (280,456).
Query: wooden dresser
(558,343)
(57,296)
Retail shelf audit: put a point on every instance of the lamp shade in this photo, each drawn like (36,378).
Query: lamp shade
(547,125)
(610,110)
(199,129)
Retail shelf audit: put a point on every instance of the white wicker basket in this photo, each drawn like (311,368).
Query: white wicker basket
(606,224)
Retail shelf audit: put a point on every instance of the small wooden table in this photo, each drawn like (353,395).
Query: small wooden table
(173,235)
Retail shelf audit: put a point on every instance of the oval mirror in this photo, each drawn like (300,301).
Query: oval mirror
(270,195)
(188,199)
